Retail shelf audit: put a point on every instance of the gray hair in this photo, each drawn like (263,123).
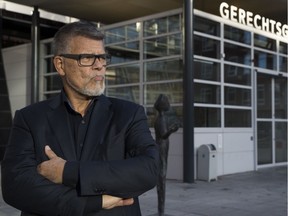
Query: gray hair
(63,37)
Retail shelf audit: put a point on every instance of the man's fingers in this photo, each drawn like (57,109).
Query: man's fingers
(49,152)
(129,201)
(109,202)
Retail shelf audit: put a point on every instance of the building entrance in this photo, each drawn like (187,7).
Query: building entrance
(271,119)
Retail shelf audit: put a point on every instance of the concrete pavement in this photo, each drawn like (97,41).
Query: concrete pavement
(255,193)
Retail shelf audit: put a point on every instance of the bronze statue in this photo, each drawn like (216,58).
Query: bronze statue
(163,130)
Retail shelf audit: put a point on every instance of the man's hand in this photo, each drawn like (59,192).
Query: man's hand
(53,168)
(109,202)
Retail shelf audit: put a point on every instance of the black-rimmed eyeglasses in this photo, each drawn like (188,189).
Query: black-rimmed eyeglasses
(87,60)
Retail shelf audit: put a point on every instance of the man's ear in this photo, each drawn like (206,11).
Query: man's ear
(59,65)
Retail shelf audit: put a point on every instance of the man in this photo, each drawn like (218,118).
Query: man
(80,153)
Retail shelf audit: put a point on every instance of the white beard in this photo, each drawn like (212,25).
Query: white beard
(99,90)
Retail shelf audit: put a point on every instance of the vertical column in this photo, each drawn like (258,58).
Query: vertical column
(35,34)
(188,97)
(5,109)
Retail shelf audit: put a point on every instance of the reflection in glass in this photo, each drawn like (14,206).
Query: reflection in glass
(237,96)
(264,95)
(207,117)
(264,137)
(49,66)
(173,90)
(206,70)
(265,60)
(130,93)
(124,52)
(175,114)
(124,74)
(163,70)
(237,118)
(162,25)
(52,82)
(237,75)
(264,42)
(207,93)
(283,64)
(281,141)
(238,54)
(206,47)
(283,48)
(281,97)
(206,26)
(237,35)
(48,49)
(121,34)
(162,46)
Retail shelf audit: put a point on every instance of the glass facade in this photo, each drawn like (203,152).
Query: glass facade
(147,60)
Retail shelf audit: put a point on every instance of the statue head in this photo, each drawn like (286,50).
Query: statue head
(162,103)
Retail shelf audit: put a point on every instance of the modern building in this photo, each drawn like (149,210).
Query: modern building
(239,73)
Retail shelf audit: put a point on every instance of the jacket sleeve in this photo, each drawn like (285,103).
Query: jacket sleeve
(26,190)
(129,177)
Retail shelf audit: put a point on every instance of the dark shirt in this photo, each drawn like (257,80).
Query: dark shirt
(78,125)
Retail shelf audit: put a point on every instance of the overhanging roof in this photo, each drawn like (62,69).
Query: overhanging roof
(111,11)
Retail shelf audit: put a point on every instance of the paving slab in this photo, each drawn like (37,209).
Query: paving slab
(255,193)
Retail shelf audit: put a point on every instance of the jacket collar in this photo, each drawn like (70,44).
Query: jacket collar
(98,126)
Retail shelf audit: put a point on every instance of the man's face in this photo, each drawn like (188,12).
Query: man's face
(83,80)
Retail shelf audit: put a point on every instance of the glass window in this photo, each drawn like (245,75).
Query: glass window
(283,64)
(174,115)
(283,48)
(237,75)
(206,70)
(124,74)
(206,47)
(281,141)
(281,97)
(207,93)
(173,90)
(264,42)
(206,26)
(237,35)
(122,33)
(124,52)
(238,54)
(130,93)
(52,82)
(237,96)
(162,25)
(264,138)
(162,46)
(48,48)
(49,65)
(264,96)
(163,70)
(265,60)
(237,118)
(207,117)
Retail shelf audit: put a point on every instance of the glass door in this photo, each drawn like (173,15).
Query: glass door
(271,119)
